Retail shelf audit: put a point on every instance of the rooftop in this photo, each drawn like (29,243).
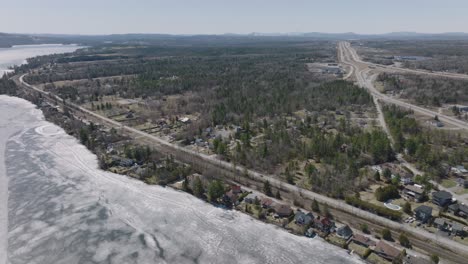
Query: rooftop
(363,240)
(439,221)
(424,209)
(414,188)
(386,249)
(442,195)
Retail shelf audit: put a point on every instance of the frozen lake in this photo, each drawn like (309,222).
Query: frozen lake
(63,209)
(17,55)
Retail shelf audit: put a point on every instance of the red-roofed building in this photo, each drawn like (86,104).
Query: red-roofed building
(266,202)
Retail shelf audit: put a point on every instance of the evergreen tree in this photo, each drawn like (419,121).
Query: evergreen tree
(198,189)
(267,189)
(315,206)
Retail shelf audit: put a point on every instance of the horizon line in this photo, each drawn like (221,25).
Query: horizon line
(243,34)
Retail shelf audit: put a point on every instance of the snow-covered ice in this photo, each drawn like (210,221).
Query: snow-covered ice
(63,209)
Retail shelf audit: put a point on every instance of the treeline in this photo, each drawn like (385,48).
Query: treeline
(433,151)
(377,209)
(7,86)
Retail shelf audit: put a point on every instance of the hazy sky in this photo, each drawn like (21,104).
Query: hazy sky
(232,16)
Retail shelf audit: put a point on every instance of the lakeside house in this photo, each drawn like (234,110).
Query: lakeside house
(363,241)
(266,203)
(423,213)
(283,210)
(324,224)
(441,198)
(386,251)
(231,198)
(251,198)
(310,232)
(344,232)
(302,218)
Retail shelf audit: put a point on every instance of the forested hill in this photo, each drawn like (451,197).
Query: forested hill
(8,40)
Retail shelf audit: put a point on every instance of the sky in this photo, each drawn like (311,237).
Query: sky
(232,16)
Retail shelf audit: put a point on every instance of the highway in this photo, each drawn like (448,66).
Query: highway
(446,248)
(365,73)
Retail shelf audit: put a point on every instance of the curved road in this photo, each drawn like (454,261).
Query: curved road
(362,72)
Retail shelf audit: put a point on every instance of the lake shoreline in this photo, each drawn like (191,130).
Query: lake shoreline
(53,120)
(242,224)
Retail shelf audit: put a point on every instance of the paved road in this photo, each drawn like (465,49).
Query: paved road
(186,155)
(366,73)
(361,71)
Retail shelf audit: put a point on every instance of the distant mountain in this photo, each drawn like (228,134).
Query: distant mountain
(352,35)
(8,40)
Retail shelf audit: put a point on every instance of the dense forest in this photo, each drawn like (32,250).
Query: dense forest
(7,86)
(259,90)
(425,90)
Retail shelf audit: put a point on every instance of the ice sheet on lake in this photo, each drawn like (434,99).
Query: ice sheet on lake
(62,209)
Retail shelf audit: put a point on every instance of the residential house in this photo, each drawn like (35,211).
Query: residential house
(267,203)
(441,198)
(302,218)
(310,232)
(423,213)
(231,198)
(414,192)
(458,229)
(441,224)
(453,208)
(458,209)
(344,232)
(251,198)
(283,210)
(459,170)
(406,179)
(386,251)
(363,240)
(324,224)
